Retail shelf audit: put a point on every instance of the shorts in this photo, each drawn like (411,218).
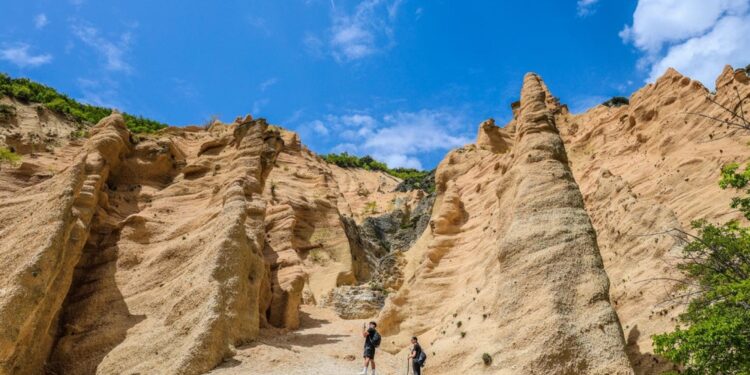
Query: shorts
(369,352)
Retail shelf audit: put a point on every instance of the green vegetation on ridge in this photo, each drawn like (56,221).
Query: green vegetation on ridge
(28,91)
(408,175)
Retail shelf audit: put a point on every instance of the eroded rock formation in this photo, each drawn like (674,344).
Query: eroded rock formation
(647,168)
(162,253)
(113,269)
(511,265)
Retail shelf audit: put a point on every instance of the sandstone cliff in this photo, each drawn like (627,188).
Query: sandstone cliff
(132,260)
(510,265)
(645,168)
(547,247)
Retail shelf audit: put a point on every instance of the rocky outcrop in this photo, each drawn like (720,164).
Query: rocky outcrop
(644,169)
(513,250)
(356,302)
(121,272)
(307,243)
(491,138)
(44,230)
(314,244)
(371,193)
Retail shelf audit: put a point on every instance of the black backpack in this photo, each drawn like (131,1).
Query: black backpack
(375,339)
(421,358)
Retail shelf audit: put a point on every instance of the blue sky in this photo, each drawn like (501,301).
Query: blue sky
(402,80)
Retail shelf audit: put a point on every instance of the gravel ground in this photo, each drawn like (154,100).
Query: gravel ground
(324,345)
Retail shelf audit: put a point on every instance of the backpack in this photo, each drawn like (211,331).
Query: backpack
(421,358)
(375,340)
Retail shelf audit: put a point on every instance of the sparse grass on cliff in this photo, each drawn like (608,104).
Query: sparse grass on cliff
(28,91)
(7,111)
(8,156)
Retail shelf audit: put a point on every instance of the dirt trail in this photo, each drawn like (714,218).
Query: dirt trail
(323,345)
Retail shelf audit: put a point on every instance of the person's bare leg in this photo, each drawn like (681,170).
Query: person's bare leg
(372,361)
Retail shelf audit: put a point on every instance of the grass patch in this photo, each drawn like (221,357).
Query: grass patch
(8,156)
(319,256)
(370,208)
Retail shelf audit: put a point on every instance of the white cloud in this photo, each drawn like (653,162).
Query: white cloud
(365,31)
(258,105)
(267,83)
(586,7)
(319,127)
(399,138)
(19,55)
(313,45)
(40,20)
(112,52)
(259,24)
(696,37)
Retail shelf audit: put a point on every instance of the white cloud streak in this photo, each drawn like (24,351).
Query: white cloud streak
(113,53)
(267,83)
(367,30)
(40,21)
(586,7)
(19,55)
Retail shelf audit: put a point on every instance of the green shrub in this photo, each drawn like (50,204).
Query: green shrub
(22,93)
(371,207)
(8,156)
(616,101)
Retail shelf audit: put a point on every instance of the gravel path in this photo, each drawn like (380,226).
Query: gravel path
(324,345)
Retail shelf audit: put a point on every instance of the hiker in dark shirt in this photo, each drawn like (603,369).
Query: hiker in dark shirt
(372,341)
(416,356)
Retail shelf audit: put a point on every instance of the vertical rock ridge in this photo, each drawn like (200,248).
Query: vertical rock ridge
(550,246)
(510,266)
(34,288)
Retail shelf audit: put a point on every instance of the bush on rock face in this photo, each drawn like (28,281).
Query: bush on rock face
(616,101)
